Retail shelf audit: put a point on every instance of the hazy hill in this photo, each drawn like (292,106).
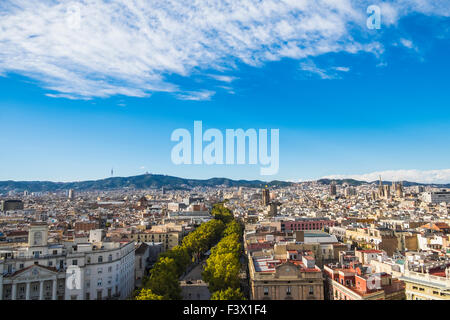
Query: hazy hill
(135,182)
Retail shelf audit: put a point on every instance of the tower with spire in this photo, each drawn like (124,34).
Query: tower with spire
(380,189)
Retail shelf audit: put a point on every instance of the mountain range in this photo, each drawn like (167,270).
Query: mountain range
(146,181)
(154,181)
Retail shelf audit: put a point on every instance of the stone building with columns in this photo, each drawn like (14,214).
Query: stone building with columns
(34,272)
(100,268)
(33,283)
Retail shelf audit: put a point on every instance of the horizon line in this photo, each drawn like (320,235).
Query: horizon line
(294,181)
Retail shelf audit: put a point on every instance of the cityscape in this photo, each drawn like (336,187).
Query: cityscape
(226,157)
(317,240)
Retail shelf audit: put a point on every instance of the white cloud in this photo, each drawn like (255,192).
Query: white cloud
(222,78)
(100,48)
(421,176)
(342,69)
(407,43)
(310,67)
(228,89)
(196,95)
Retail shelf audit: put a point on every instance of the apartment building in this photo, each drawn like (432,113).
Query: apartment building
(97,269)
(168,237)
(100,269)
(358,282)
(435,197)
(430,281)
(299,224)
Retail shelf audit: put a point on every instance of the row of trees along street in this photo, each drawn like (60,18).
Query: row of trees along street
(222,267)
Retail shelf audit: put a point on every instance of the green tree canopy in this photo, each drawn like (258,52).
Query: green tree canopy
(163,279)
(228,294)
(147,294)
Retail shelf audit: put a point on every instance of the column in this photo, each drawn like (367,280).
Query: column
(14,291)
(27,292)
(54,289)
(41,290)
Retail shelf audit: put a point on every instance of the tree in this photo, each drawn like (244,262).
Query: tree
(202,238)
(147,294)
(181,257)
(163,279)
(221,213)
(233,228)
(229,244)
(228,294)
(222,271)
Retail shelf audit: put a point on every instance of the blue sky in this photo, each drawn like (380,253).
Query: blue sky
(348,101)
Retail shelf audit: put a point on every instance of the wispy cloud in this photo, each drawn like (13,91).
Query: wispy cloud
(100,48)
(222,78)
(342,69)
(421,176)
(196,95)
(311,68)
(407,43)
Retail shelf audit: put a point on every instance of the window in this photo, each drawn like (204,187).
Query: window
(266,291)
(311,290)
(74,262)
(99,270)
(99,282)
(100,259)
(73,297)
(288,291)
(21,266)
(110,258)
(88,296)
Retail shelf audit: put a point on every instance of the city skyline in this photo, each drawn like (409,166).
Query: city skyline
(209,157)
(349,101)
